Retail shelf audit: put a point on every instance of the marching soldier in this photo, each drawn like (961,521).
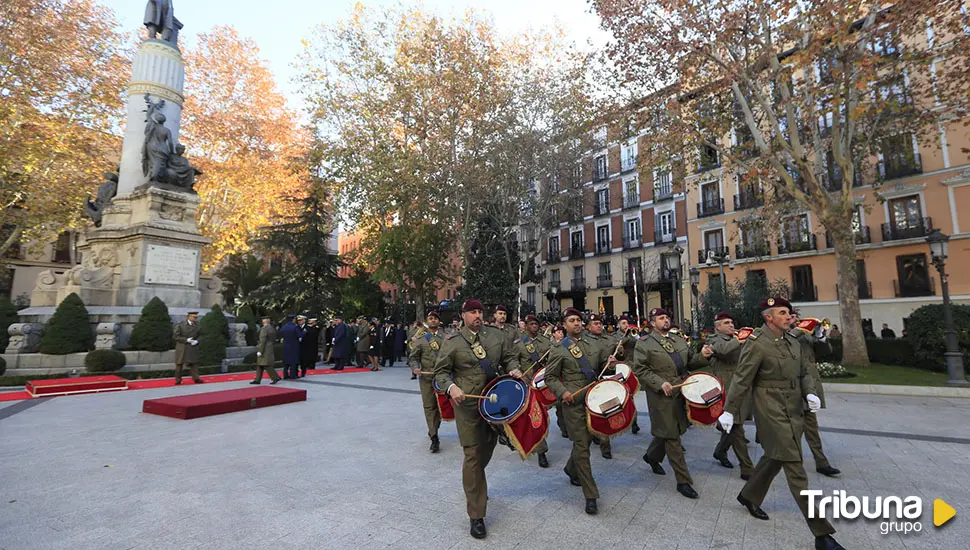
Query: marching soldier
(662,360)
(629,337)
(774,371)
(468,360)
(187,347)
(808,342)
(423,355)
(727,351)
(265,355)
(594,331)
(573,364)
(501,316)
(529,349)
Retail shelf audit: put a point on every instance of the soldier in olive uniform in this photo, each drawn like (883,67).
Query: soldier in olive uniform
(773,369)
(363,342)
(187,347)
(423,356)
(529,349)
(467,361)
(809,343)
(573,364)
(727,351)
(607,345)
(265,354)
(661,361)
(501,318)
(629,338)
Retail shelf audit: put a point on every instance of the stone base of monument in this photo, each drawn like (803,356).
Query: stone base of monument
(36,364)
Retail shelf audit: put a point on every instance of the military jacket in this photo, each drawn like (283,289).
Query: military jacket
(774,369)
(563,371)
(267,338)
(529,350)
(809,346)
(424,351)
(727,353)
(186,353)
(654,364)
(457,364)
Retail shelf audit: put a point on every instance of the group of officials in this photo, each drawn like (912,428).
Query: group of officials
(772,374)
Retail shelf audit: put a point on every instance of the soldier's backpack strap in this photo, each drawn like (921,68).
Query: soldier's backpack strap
(479,352)
(534,352)
(432,344)
(577,354)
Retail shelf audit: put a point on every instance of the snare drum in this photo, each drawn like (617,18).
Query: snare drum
(625,375)
(704,395)
(518,411)
(445,407)
(610,411)
(543,393)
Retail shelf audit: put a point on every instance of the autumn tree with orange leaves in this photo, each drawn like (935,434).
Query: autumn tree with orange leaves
(60,104)
(803,99)
(249,145)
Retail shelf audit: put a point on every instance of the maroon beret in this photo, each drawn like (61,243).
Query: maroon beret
(769,303)
(530,318)
(625,318)
(501,307)
(658,311)
(471,305)
(570,312)
(595,317)
(723,315)
(434,313)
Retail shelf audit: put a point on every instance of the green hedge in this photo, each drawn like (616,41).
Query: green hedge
(104,360)
(69,330)
(3,366)
(925,327)
(153,331)
(213,337)
(887,352)
(8,316)
(246,315)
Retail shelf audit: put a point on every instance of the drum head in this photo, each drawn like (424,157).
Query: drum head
(539,380)
(511,395)
(623,372)
(703,389)
(606,396)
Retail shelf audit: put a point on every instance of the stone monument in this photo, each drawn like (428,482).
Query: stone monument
(144,241)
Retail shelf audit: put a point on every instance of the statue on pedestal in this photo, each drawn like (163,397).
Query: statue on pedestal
(106,191)
(179,172)
(160,20)
(162,159)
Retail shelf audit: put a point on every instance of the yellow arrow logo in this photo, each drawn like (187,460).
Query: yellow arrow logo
(942,512)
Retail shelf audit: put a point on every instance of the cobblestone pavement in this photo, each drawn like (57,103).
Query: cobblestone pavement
(350,468)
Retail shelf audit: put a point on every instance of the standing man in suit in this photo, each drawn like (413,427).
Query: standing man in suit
(469,360)
(363,342)
(187,347)
(774,371)
(290,334)
(339,344)
(309,347)
(661,361)
(265,355)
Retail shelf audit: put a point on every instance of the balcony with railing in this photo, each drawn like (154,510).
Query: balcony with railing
(604,281)
(601,208)
(710,207)
(900,167)
(629,277)
(804,294)
(713,253)
(659,237)
(631,200)
(578,284)
(748,199)
(628,163)
(833,180)
(602,248)
(663,192)
(576,253)
(554,254)
(910,229)
(554,284)
(865,290)
(804,243)
(600,173)
(632,243)
(755,250)
(909,290)
(862,236)
(708,159)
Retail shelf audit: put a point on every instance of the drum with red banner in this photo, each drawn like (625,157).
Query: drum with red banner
(624,374)
(445,407)
(704,394)
(517,409)
(610,411)
(543,393)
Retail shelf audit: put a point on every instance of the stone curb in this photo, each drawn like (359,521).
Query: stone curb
(912,391)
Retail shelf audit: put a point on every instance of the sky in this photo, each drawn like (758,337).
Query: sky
(278,26)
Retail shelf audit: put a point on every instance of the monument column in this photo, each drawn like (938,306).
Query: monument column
(158,70)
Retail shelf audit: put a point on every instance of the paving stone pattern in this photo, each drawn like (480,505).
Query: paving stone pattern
(350,468)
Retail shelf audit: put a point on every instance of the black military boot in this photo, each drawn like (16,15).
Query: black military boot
(478,528)
(543,461)
(753,508)
(826,542)
(435,444)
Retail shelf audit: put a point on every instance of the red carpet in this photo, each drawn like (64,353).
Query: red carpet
(186,381)
(211,403)
(85,384)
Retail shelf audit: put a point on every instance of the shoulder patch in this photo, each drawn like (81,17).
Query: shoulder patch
(450,336)
(752,336)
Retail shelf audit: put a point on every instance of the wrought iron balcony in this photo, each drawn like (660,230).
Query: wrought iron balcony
(715,254)
(663,192)
(628,277)
(631,243)
(604,281)
(628,163)
(576,253)
(804,243)
(601,209)
(908,290)
(862,236)
(603,248)
(556,284)
(757,250)
(748,199)
(578,284)
(710,207)
(664,238)
(900,167)
(913,229)
(631,200)
(554,254)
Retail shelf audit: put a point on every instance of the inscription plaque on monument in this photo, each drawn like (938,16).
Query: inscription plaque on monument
(170,265)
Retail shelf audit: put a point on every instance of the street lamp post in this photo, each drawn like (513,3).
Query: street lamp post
(695,279)
(672,260)
(939,247)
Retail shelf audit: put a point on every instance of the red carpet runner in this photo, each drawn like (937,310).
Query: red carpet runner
(211,403)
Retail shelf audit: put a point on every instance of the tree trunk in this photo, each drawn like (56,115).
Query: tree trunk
(854,350)
(419,304)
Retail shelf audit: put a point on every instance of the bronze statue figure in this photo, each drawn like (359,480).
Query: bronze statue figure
(159,144)
(106,191)
(160,20)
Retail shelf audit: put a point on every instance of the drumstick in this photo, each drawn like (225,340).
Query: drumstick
(492,398)
(537,362)
(682,384)
(424,372)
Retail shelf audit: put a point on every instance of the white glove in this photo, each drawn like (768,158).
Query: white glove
(192,341)
(259,354)
(814,403)
(727,421)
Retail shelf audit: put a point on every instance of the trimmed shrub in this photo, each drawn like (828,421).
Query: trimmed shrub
(925,327)
(892,352)
(246,315)
(153,331)
(213,337)
(68,330)
(8,316)
(3,366)
(104,360)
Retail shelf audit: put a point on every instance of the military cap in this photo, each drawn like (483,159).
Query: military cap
(723,315)
(658,311)
(769,303)
(530,318)
(471,305)
(570,312)
(501,307)
(433,313)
